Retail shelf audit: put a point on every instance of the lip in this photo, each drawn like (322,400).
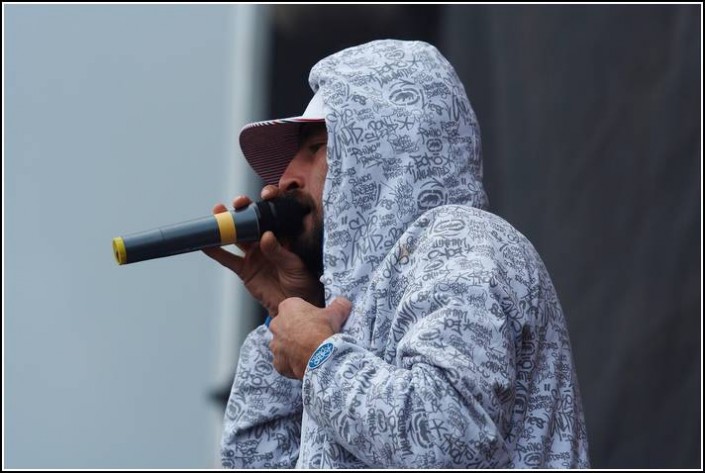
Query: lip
(309,221)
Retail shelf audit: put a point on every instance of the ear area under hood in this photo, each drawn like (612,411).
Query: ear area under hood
(402,140)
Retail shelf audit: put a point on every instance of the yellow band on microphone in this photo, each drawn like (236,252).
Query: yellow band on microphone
(226,225)
(119,250)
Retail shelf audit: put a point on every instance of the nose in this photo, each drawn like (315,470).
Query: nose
(293,177)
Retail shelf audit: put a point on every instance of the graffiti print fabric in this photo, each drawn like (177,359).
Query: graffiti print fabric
(456,353)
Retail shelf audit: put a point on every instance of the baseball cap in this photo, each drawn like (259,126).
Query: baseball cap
(269,146)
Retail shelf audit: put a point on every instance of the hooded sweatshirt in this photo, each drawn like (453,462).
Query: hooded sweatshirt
(456,352)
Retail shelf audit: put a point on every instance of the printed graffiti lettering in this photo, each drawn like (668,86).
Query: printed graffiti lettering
(426,160)
(450,130)
(430,133)
(436,89)
(495,367)
(406,124)
(445,253)
(438,109)
(392,167)
(426,173)
(351,134)
(403,196)
(436,274)
(369,243)
(460,107)
(373,260)
(403,144)
(452,324)
(366,160)
(480,333)
(457,242)
(433,265)
(359,99)
(380,129)
(366,195)
(388,73)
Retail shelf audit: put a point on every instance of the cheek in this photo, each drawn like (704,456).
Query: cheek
(320,172)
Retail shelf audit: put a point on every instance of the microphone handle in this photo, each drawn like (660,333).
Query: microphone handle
(221,229)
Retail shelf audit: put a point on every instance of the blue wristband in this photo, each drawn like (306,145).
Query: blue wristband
(267,320)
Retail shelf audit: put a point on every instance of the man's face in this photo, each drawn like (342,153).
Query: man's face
(304,179)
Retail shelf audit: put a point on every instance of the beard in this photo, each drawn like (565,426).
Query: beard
(305,243)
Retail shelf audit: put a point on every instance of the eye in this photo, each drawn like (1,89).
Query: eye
(316,146)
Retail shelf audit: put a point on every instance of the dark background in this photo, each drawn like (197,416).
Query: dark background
(590,120)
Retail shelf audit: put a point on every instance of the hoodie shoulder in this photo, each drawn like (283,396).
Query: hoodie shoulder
(476,225)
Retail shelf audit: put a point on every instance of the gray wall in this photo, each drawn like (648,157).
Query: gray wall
(116,121)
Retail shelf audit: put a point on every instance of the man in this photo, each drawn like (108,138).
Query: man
(410,327)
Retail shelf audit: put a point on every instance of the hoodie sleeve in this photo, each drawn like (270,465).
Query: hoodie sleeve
(263,417)
(444,397)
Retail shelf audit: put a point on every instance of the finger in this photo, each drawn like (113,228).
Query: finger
(269,192)
(273,323)
(245,246)
(277,254)
(241,201)
(338,312)
(280,362)
(219,209)
(227,259)
(276,360)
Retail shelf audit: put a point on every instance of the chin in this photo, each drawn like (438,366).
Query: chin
(309,245)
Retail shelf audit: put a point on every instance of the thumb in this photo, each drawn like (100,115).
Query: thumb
(337,312)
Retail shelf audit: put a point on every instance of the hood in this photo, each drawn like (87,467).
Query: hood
(402,140)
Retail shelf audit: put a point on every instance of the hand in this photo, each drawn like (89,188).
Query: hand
(300,328)
(270,272)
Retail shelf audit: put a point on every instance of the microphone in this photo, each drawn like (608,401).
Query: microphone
(283,216)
